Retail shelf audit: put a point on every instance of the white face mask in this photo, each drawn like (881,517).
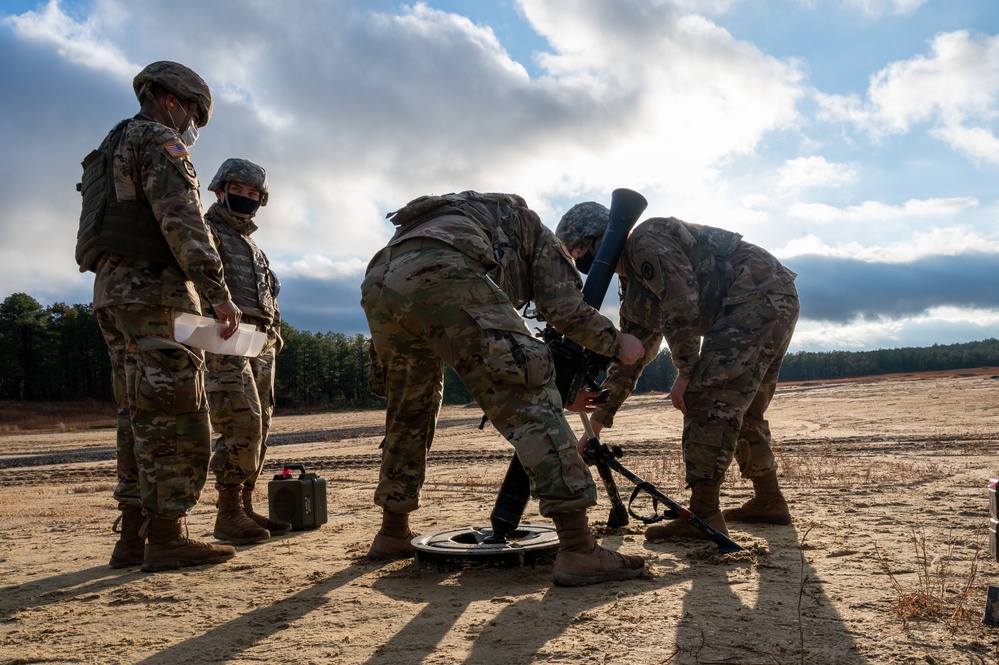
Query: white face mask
(190,135)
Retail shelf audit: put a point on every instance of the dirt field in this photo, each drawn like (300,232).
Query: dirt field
(887,560)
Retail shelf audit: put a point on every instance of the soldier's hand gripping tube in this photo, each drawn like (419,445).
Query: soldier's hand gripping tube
(574,364)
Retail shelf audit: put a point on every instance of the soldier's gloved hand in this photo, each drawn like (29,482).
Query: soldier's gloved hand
(229,314)
(631,350)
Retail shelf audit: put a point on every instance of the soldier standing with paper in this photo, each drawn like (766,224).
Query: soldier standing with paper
(240,388)
(142,233)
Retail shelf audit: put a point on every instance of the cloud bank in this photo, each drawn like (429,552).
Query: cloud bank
(356,107)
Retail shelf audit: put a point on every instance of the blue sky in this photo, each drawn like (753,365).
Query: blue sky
(854,139)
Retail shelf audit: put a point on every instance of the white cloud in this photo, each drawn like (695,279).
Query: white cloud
(954,324)
(939,241)
(955,89)
(809,172)
(317,266)
(976,142)
(652,82)
(355,112)
(880,7)
(875,211)
(84,43)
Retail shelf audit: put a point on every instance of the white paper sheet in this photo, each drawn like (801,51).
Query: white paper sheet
(203,332)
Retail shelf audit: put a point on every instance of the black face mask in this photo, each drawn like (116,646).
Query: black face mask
(584,262)
(243,206)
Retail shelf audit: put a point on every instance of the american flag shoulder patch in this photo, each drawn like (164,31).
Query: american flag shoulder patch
(176,150)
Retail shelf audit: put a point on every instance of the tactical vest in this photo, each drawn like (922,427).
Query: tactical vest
(111,226)
(709,251)
(475,203)
(247,271)
(484,239)
(710,262)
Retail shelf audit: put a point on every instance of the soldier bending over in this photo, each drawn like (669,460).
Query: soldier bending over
(446,289)
(727,310)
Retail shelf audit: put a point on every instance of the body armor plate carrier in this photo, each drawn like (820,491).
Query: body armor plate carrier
(108,225)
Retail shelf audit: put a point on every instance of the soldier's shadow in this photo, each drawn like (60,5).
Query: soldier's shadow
(59,588)
(789,617)
(527,610)
(228,640)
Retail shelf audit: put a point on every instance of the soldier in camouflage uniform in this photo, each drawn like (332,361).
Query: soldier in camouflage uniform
(446,289)
(240,389)
(142,233)
(727,310)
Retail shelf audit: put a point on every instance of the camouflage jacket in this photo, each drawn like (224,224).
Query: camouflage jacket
(678,277)
(247,270)
(151,163)
(518,252)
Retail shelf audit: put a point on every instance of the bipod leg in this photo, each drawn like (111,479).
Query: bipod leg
(725,544)
(618,516)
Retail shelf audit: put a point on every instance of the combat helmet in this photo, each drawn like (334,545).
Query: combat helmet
(241,170)
(583,221)
(182,81)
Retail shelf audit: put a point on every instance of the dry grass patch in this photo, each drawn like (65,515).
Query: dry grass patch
(939,593)
(55,416)
(99,488)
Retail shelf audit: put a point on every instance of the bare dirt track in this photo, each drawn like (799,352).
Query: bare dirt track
(887,560)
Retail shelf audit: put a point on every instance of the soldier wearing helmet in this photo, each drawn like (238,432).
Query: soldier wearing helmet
(143,235)
(160,81)
(241,409)
(446,290)
(727,310)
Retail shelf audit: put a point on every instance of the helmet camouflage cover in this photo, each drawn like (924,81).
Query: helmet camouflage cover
(182,81)
(244,171)
(582,221)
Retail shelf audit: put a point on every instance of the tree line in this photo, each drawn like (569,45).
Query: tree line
(57,353)
(809,366)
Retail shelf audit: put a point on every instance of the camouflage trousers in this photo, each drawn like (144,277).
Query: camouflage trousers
(732,385)
(428,304)
(241,399)
(164,433)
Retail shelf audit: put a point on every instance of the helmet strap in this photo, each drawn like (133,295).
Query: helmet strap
(165,112)
(173,125)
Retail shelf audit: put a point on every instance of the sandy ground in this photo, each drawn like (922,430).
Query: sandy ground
(887,560)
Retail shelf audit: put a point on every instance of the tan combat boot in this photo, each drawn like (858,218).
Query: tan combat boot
(767,505)
(232,524)
(394,538)
(704,504)
(580,561)
(166,549)
(275,527)
(130,549)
